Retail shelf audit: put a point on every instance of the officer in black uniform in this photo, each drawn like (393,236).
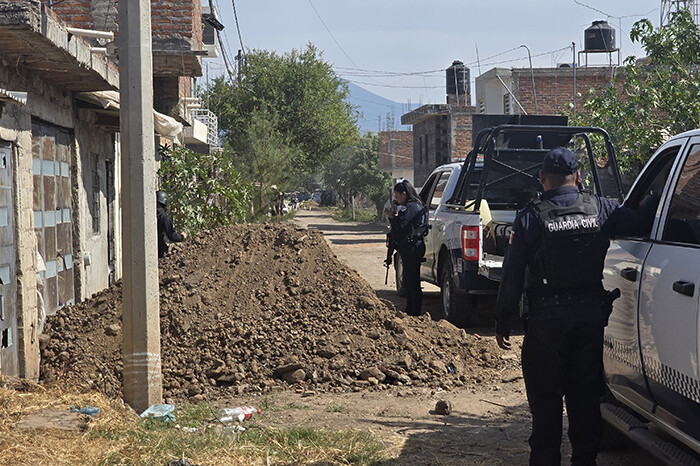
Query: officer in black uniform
(165,224)
(556,254)
(409,224)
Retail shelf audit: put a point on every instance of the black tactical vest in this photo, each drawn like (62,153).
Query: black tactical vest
(571,253)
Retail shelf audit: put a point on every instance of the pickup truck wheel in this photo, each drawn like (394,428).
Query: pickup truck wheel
(453,308)
(398,269)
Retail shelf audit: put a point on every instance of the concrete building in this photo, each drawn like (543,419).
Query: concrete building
(442,133)
(60,218)
(396,154)
(510,91)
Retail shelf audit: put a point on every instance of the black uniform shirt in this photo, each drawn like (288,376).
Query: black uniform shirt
(615,220)
(165,230)
(409,218)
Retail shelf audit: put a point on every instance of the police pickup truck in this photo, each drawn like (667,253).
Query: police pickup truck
(472,205)
(652,341)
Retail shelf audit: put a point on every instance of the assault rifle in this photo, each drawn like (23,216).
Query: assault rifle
(391,244)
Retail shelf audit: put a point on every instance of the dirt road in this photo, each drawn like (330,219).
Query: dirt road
(489,424)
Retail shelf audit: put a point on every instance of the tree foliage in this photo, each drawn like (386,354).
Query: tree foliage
(354,171)
(301,92)
(264,156)
(653,98)
(205,190)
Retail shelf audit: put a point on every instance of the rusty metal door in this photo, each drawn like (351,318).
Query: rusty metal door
(53,220)
(8,284)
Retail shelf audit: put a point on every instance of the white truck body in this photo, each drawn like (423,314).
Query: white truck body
(652,341)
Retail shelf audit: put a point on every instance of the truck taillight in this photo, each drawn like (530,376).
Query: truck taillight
(470,243)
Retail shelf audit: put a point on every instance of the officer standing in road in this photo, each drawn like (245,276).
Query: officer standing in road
(556,254)
(409,223)
(165,225)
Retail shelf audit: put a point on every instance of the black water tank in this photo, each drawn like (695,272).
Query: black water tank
(457,78)
(600,37)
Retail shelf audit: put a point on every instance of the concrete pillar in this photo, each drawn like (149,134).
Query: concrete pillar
(141,319)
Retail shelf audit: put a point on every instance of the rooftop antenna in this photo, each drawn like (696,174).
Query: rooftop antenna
(668,7)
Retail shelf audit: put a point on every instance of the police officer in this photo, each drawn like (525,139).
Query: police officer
(165,224)
(409,223)
(556,254)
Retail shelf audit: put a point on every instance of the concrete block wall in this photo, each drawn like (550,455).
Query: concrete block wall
(431,138)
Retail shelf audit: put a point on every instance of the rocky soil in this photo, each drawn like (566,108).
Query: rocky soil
(256,308)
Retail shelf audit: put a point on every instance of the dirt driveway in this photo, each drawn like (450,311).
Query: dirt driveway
(488,425)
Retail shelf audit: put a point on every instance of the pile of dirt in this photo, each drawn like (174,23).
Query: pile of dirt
(251,308)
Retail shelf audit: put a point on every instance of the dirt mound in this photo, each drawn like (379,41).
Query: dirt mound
(253,307)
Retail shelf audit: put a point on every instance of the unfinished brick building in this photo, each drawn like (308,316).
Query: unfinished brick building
(396,154)
(60,216)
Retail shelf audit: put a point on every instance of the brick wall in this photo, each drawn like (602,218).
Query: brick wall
(461,134)
(555,87)
(177,17)
(168,17)
(395,150)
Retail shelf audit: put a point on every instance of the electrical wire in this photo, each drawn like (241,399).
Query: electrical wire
(238,27)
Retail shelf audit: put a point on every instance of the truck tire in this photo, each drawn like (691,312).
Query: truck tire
(454,308)
(398,270)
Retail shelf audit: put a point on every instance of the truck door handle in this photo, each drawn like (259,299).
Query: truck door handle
(629,273)
(686,288)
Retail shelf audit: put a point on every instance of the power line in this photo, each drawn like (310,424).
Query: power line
(238,27)
(332,36)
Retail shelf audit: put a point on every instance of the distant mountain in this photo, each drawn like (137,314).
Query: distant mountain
(377,112)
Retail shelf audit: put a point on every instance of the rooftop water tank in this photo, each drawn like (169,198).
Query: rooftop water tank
(457,77)
(599,37)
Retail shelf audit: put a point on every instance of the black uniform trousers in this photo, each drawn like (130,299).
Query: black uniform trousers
(562,357)
(411,257)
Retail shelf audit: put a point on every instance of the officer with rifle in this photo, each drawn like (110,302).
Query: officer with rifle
(556,254)
(409,225)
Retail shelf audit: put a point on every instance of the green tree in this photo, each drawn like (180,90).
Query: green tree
(303,93)
(652,98)
(264,156)
(205,189)
(354,171)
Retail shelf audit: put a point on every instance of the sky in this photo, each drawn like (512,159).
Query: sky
(399,49)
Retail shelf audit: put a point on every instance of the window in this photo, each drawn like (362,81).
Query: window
(683,220)
(95,194)
(506,104)
(439,190)
(654,178)
(425,190)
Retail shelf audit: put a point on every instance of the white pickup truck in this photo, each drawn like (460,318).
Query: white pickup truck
(652,341)
(465,245)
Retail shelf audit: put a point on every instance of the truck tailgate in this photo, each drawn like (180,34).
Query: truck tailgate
(491,266)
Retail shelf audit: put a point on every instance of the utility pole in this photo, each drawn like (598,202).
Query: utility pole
(141,316)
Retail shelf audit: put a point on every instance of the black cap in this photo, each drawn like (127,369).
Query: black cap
(561,161)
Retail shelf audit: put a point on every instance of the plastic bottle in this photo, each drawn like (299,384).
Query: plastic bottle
(239,414)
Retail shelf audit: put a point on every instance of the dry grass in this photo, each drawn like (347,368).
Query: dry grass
(118,436)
